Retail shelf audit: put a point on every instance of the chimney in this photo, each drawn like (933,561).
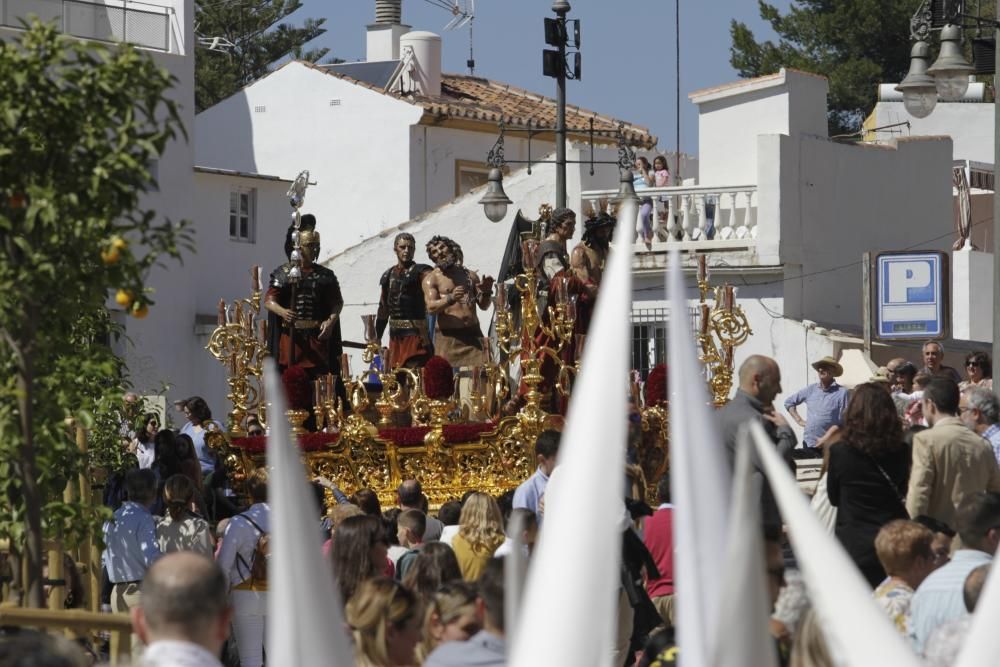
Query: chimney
(423,75)
(384,34)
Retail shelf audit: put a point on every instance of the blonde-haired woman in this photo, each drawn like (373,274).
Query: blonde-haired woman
(385,619)
(451,616)
(480,532)
(181,529)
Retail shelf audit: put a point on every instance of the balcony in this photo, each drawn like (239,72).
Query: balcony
(145,25)
(696,218)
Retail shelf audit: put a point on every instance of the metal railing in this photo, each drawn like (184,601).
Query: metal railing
(696,217)
(137,23)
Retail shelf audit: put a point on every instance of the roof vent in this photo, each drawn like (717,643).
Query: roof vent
(384,34)
(389,12)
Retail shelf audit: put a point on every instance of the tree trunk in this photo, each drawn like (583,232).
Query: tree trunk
(15,592)
(26,468)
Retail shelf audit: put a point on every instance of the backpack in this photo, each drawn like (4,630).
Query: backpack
(261,554)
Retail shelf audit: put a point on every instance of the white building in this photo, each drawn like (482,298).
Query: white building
(384,140)
(970,124)
(793,212)
(238,218)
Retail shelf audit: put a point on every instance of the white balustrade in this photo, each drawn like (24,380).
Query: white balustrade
(697,217)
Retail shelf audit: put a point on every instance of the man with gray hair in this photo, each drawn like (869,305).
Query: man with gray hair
(184,613)
(980,411)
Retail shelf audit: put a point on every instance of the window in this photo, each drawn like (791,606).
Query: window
(242,214)
(649,336)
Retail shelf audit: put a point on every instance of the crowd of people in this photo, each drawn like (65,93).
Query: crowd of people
(910,487)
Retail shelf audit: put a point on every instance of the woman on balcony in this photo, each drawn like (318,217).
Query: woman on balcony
(642,178)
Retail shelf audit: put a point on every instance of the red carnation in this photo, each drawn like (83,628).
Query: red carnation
(439,379)
(297,389)
(655,391)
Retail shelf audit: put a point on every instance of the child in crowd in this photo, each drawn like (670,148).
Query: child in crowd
(915,412)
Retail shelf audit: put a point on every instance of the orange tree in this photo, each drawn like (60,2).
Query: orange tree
(80,124)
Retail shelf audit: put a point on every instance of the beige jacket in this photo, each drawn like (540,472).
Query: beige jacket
(949,462)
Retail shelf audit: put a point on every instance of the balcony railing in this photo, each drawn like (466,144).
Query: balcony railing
(138,23)
(697,217)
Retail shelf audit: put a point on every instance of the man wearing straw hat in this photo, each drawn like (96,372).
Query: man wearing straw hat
(825,402)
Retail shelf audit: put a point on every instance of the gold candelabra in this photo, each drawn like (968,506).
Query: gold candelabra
(238,345)
(722,328)
(537,338)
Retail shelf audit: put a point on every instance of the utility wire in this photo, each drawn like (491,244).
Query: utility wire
(840,267)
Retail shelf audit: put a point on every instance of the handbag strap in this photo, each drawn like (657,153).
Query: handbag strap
(888,480)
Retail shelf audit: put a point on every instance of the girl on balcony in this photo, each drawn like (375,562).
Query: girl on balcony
(661,179)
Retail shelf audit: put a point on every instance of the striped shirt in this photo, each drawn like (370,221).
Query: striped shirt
(992,436)
(939,599)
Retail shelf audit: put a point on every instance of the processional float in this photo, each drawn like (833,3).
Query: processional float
(398,424)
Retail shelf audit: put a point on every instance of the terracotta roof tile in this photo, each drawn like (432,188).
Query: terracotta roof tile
(490,101)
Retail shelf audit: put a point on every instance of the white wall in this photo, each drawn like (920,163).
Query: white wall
(731,117)
(840,200)
(357,152)
(435,151)
(161,349)
(969,124)
(972,288)
(221,269)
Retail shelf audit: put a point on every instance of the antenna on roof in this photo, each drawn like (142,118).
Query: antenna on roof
(463,13)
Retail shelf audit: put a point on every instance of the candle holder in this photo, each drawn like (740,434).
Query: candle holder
(722,328)
(371,338)
(237,345)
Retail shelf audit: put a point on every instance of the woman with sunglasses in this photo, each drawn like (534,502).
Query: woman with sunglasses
(142,443)
(978,371)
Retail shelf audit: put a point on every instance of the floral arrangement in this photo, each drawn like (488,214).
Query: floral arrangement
(297,388)
(439,379)
(655,390)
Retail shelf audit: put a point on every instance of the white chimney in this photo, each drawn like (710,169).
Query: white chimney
(384,34)
(423,75)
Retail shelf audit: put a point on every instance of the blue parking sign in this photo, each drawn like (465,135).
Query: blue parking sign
(911,295)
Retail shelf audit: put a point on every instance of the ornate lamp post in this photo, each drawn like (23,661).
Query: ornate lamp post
(948,79)
(555,65)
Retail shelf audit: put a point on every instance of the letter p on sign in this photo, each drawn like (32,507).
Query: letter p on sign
(904,276)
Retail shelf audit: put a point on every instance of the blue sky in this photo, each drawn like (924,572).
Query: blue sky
(628,49)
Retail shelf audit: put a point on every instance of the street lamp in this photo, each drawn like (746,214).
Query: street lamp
(918,88)
(950,74)
(950,70)
(495,201)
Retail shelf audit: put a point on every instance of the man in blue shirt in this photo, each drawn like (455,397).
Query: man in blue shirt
(131,544)
(825,402)
(939,599)
(530,492)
